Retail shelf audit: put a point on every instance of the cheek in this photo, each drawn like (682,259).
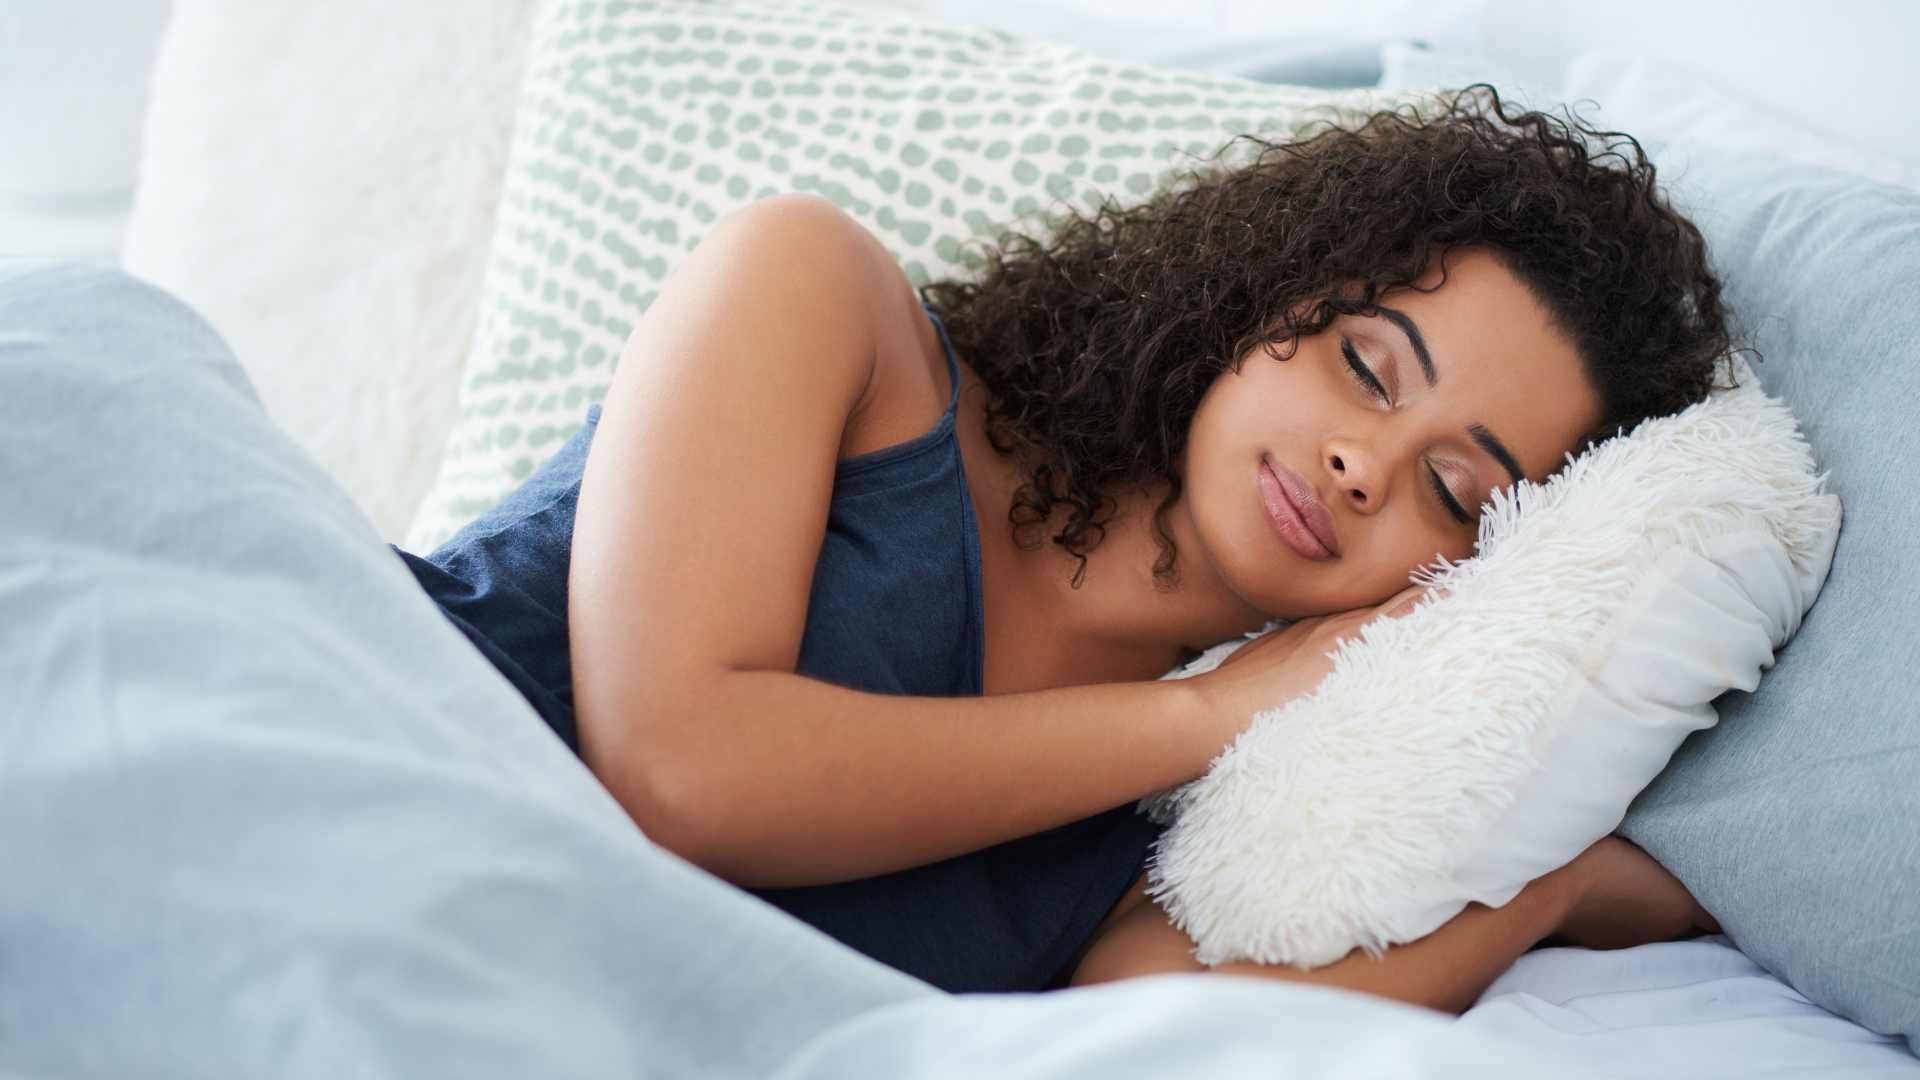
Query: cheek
(1408,540)
(1427,543)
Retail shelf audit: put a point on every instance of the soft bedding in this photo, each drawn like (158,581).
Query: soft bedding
(265,812)
(1700,1009)
(1487,737)
(641,122)
(376,872)
(1792,820)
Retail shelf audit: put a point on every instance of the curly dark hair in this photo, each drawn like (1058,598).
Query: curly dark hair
(1097,342)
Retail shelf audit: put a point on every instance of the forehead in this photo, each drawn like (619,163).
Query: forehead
(1498,359)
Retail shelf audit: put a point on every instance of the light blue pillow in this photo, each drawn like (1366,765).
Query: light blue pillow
(1796,820)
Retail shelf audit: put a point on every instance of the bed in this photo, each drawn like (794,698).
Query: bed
(271,849)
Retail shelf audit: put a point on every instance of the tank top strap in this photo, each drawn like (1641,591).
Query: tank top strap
(848,473)
(897,582)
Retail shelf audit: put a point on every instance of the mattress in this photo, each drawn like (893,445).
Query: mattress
(1698,1008)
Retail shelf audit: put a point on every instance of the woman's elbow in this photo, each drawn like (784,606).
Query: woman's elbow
(654,808)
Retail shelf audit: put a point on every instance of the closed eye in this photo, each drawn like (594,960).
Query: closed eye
(1361,373)
(1453,505)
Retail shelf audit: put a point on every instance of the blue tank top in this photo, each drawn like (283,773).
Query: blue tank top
(895,608)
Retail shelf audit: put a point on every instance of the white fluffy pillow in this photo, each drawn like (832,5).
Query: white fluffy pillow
(1494,732)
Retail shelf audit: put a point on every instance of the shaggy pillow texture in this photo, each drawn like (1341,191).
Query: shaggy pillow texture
(1490,735)
(641,124)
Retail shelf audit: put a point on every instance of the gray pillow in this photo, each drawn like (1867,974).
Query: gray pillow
(1796,820)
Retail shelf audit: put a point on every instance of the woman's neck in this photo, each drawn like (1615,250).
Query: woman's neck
(1118,625)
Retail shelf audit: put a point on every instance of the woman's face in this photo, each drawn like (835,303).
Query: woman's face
(1500,392)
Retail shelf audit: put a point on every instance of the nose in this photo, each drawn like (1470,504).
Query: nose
(1353,478)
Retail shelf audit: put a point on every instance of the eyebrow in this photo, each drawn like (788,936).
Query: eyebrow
(1399,319)
(1488,440)
(1491,444)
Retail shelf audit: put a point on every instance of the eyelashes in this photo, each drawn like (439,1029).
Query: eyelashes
(1361,373)
(1371,383)
(1453,505)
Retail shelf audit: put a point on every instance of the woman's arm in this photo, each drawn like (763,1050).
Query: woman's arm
(1612,895)
(1447,969)
(702,511)
(801,782)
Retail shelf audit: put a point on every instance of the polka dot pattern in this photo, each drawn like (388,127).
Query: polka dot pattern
(641,123)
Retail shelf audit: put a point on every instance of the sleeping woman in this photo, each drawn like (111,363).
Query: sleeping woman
(858,595)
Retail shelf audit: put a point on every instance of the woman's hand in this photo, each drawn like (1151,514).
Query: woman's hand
(1275,668)
(1621,897)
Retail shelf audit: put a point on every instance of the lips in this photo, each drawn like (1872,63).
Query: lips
(1301,498)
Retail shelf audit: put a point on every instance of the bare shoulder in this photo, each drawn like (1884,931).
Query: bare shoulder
(910,386)
(818,221)
(907,389)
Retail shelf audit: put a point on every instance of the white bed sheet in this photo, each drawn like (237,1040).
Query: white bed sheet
(1698,1009)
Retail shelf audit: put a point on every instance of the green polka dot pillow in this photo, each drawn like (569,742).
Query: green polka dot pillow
(641,124)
